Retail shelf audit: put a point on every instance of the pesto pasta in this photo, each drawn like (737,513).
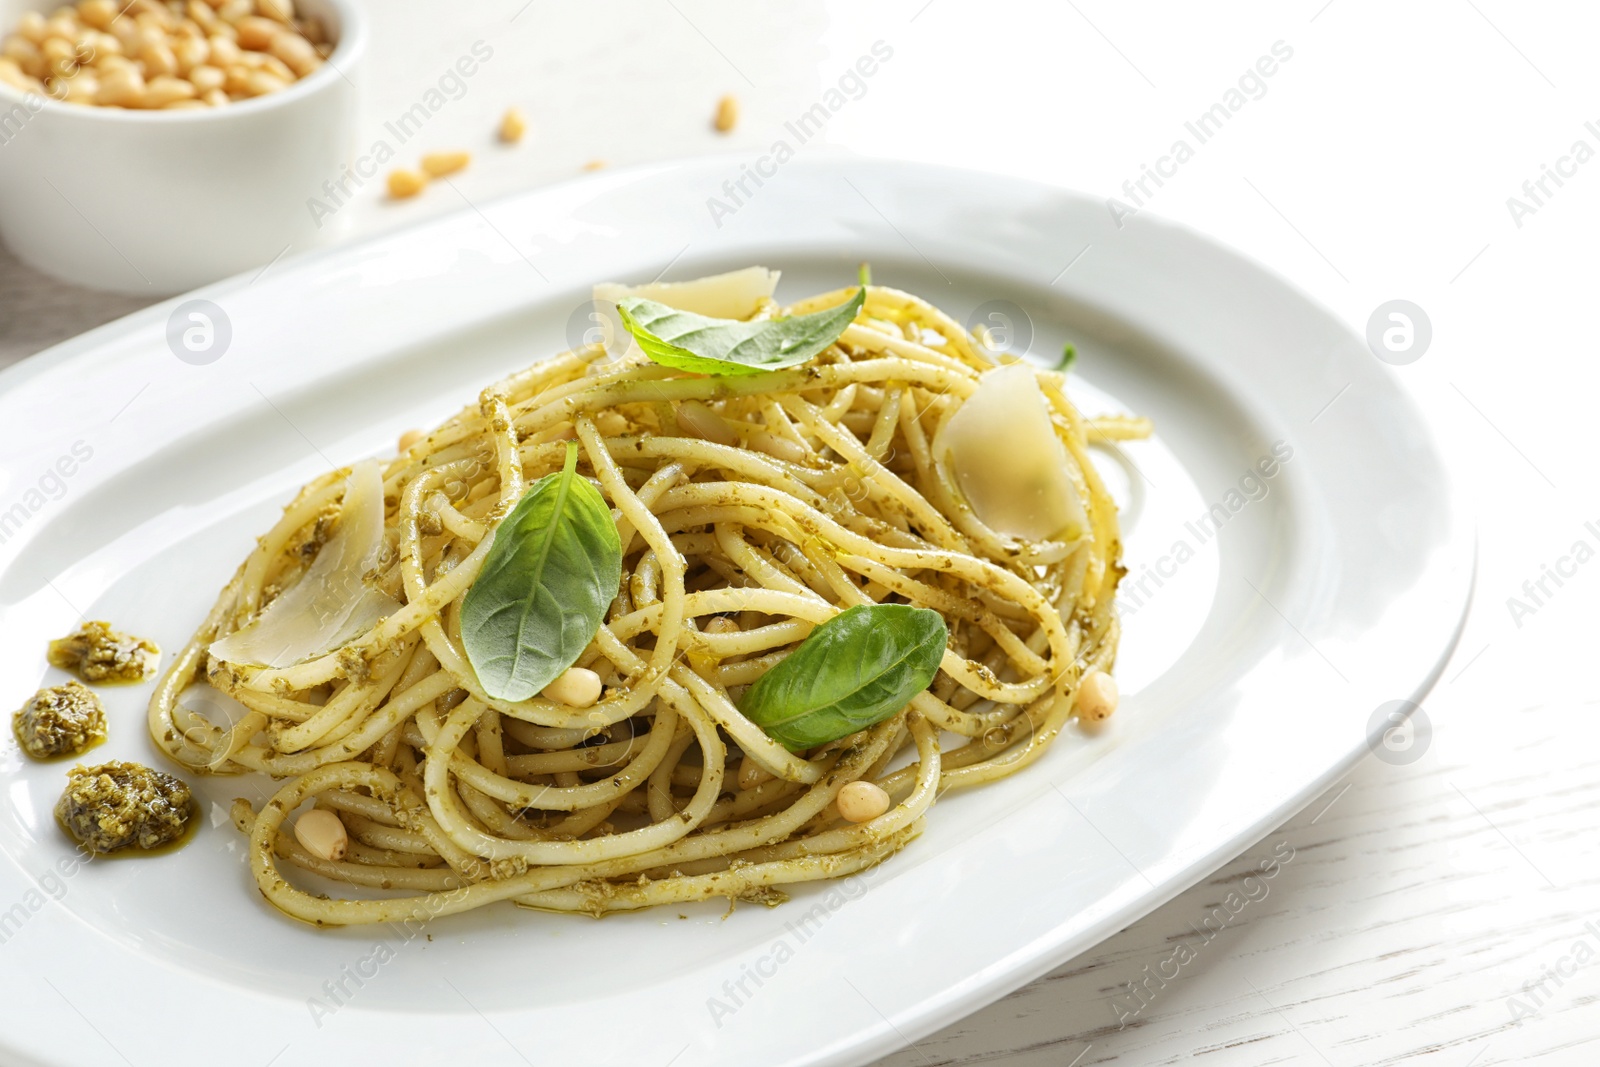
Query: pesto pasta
(749,509)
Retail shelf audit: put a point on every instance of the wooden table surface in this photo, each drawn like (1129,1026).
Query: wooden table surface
(1443,911)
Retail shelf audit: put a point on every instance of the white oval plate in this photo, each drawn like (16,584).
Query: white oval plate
(1268,617)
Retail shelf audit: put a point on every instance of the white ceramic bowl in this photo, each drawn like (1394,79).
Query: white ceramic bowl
(160,202)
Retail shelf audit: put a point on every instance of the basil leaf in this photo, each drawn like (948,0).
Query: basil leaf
(553,569)
(1069,356)
(858,668)
(686,341)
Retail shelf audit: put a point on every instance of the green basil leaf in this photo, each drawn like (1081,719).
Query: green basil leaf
(553,569)
(858,668)
(1069,356)
(685,341)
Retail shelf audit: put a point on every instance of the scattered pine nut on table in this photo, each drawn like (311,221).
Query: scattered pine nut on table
(727,116)
(512,126)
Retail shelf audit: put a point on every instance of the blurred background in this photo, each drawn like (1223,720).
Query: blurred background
(1378,161)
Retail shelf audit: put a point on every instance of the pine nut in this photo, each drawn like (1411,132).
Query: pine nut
(256,33)
(97,13)
(201,14)
(406,183)
(411,438)
(706,661)
(862,801)
(81,89)
(14,76)
(57,49)
(121,87)
(234,11)
(126,31)
(721,624)
(31,27)
(727,116)
(611,423)
(206,78)
(295,52)
(273,65)
(154,16)
(64,26)
(512,126)
(191,53)
(438,164)
(20,49)
(165,89)
(322,834)
(262,82)
(1097,697)
(224,51)
(578,687)
(278,10)
(61,60)
(159,59)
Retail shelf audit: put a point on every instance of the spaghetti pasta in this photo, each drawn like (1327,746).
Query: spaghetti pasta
(750,509)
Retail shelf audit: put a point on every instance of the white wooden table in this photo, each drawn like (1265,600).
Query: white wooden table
(1445,911)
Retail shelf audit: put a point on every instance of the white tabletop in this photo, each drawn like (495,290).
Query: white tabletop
(1445,910)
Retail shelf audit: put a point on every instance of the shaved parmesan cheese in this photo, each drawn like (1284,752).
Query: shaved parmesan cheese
(1006,459)
(735,295)
(330,604)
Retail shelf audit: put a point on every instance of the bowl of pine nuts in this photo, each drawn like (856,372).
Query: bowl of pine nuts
(152,146)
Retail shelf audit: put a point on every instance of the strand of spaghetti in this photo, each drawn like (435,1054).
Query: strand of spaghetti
(508,459)
(656,835)
(677,390)
(925,789)
(750,738)
(551,798)
(658,483)
(385,785)
(765,572)
(180,673)
(356,697)
(395,711)
(597,898)
(978,572)
(842,441)
(948,604)
(871,340)
(433,880)
(659,804)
